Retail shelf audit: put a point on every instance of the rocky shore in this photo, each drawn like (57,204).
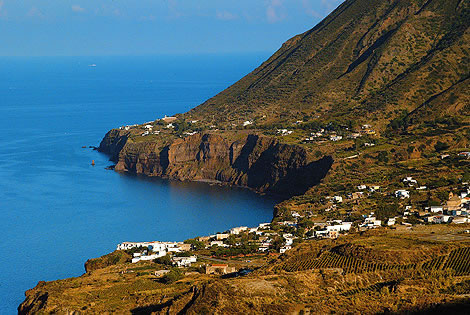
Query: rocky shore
(256,162)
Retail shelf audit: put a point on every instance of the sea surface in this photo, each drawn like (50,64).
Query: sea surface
(56,210)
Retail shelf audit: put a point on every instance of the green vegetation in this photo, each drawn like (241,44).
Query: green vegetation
(165,260)
(196,245)
(175,274)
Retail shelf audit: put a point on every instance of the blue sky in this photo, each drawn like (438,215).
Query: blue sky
(141,27)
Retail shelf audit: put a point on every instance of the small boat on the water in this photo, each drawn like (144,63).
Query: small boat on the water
(92,65)
(83,146)
(93,162)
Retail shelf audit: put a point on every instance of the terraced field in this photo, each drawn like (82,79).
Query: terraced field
(458,260)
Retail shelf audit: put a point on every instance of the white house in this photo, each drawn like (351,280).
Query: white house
(247,123)
(263,247)
(338,199)
(402,194)
(344,226)
(459,219)
(159,248)
(371,222)
(335,138)
(410,180)
(264,225)
(374,188)
(321,233)
(284,132)
(295,214)
(219,243)
(289,241)
(361,187)
(237,230)
(439,219)
(391,221)
(184,261)
(222,236)
(145,258)
(285,248)
(253,230)
(436,209)
(168,118)
(465,154)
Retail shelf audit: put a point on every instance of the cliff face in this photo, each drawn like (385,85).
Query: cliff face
(257,162)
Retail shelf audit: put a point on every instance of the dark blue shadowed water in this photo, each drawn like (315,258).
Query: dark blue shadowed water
(56,210)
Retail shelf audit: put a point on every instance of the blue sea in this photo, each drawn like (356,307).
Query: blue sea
(56,210)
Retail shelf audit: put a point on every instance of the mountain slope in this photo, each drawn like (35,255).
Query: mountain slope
(367,56)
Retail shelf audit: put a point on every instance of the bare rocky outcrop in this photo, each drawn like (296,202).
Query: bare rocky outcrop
(36,300)
(257,162)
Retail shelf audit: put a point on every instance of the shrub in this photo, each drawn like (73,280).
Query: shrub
(174,275)
(383,156)
(196,245)
(165,260)
(441,146)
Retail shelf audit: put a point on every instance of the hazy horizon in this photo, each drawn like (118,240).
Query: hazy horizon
(147,27)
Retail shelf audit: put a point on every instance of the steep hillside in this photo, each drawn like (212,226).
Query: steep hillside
(368,58)
(398,272)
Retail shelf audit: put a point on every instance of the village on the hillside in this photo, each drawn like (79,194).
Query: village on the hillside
(331,216)
(280,236)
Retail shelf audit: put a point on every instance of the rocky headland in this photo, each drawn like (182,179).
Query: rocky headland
(257,162)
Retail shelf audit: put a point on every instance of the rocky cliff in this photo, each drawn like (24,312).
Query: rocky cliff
(260,163)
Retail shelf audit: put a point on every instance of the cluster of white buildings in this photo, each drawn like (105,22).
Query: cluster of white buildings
(284,132)
(127,127)
(336,138)
(152,250)
(218,239)
(333,136)
(402,194)
(183,261)
(314,135)
(149,130)
(371,222)
(331,229)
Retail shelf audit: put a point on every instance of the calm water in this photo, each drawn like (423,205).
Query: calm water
(56,210)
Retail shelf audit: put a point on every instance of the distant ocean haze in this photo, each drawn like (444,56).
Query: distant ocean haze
(56,209)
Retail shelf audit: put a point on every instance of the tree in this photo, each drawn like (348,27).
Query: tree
(196,245)
(174,275)
(386,210)
(383,156)
(278,242)
(165,260)
(440,146)
(400,123)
